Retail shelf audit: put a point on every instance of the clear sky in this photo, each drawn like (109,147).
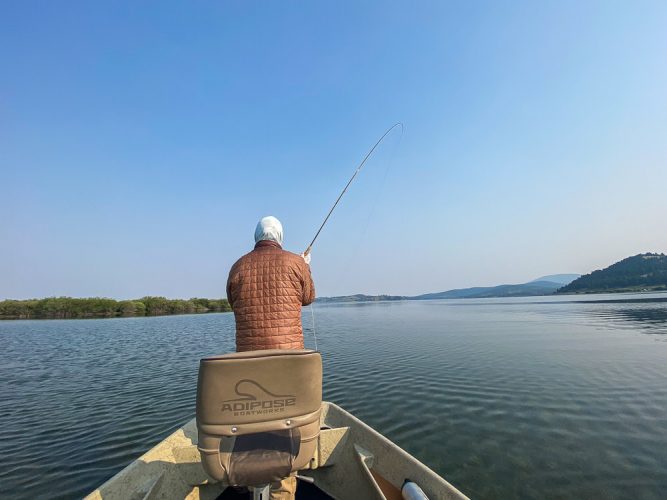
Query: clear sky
(140,142)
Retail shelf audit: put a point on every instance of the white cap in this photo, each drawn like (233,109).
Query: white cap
(269,228)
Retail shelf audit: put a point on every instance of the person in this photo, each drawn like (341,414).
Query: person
(266,289)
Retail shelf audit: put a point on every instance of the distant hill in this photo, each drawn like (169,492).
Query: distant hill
(541,286)
(481,292)
(647,271)
(563,279)
(360,298)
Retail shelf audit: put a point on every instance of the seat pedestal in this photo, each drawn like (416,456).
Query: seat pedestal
(261,492)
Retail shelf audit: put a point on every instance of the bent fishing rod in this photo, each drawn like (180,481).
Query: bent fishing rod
(368,155)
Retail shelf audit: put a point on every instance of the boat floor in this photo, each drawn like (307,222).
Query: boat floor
(304,491)
(352,460)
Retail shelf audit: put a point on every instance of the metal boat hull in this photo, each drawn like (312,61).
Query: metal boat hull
(352,461)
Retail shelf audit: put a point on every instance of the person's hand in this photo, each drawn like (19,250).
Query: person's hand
(306,258)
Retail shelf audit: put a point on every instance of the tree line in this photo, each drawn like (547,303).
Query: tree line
(97,307)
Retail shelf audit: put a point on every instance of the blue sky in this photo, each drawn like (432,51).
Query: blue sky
(140,142)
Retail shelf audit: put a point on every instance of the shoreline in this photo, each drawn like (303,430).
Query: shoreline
(5,318)
(361,298)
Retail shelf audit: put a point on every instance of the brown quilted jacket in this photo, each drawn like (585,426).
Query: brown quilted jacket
(266,289)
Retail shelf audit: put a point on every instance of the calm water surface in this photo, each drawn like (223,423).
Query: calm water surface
(506,398)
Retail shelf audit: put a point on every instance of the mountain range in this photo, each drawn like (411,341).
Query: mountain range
(644,272)
(544,285)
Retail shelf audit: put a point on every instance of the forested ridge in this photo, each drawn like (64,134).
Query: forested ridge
(647,271)
(97,307)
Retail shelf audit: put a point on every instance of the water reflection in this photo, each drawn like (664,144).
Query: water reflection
(655,317)
(650,320)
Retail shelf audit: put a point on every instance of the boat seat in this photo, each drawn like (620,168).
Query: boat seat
(258,414)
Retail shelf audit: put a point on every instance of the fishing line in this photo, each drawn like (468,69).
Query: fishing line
(350,182)
(345,269)
(358,169)
(312,316)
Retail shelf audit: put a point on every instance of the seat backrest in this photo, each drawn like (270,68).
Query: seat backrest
(258,414)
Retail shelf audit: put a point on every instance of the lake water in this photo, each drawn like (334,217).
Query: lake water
(506,398)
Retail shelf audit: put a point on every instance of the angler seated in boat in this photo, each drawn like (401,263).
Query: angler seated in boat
(267,288)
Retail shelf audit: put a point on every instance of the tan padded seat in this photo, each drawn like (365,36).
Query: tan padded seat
(258,414)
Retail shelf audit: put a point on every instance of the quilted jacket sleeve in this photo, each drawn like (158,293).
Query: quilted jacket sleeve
(230,297)
(308,287)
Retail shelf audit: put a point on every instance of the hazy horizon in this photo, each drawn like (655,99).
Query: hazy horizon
(140,145)
(345,294)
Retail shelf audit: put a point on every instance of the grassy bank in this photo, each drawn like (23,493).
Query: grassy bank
(96,307)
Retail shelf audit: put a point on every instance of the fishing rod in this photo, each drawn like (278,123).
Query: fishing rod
(399,124)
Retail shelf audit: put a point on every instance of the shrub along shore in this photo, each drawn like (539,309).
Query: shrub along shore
(96,307)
